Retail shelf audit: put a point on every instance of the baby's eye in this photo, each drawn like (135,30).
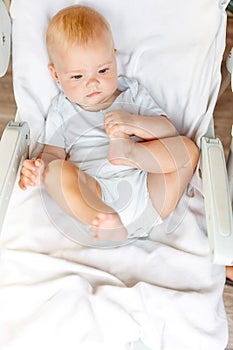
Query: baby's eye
(104,70)
(77,77)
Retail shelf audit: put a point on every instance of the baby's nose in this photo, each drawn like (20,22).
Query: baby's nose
(92,82)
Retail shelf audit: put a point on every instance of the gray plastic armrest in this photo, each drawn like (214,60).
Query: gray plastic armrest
(14,147)
(217,201)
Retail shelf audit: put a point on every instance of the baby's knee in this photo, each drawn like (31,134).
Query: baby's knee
(58,170)
(192,149)
(53,168)
(59,176)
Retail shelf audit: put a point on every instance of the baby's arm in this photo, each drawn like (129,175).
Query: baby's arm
(33,169)
(147,128)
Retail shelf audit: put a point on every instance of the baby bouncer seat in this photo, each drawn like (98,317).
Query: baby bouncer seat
(166,290)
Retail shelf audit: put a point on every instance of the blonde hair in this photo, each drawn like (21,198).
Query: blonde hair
(75,25)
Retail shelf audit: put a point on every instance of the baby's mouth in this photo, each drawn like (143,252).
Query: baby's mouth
(92,94)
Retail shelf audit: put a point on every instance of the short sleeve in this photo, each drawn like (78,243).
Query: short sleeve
(146,104)
(54,127)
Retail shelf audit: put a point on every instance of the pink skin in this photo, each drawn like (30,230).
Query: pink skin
(88,75)
(31,173)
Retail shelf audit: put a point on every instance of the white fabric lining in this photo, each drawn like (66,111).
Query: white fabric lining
(164,290)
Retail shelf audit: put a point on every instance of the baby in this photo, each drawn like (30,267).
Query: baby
(111,159)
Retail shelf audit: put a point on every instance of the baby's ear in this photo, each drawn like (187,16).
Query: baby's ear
(53,72)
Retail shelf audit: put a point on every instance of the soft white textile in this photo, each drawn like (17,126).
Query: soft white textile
(55,294)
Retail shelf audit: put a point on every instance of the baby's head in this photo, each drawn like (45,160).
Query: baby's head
(82,56)
(75,25)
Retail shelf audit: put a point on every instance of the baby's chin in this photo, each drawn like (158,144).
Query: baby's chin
(96,106)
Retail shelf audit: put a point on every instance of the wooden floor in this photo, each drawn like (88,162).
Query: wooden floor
(7,101)
(223,115)
(223,121)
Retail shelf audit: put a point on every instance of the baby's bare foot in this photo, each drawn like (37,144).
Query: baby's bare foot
(108,226)
(120,149)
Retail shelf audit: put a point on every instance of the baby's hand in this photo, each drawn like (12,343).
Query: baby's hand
(119,121)
(31,173)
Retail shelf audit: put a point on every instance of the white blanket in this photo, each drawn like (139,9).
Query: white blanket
(55,294)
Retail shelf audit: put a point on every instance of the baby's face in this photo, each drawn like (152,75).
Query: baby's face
(88,74)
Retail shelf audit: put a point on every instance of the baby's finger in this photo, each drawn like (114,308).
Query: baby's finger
(110,118)
(24,182)
(40,166)
(111,122)
(108,128)
(39,163)
(22,185)
(29,173)
(108,114)
(115,129)
(29,164)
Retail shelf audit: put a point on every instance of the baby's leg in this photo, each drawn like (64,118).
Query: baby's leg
(165,190)
(155,156)
(79,195)
(170,164)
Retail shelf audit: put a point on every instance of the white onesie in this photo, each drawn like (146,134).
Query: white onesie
(81,133)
